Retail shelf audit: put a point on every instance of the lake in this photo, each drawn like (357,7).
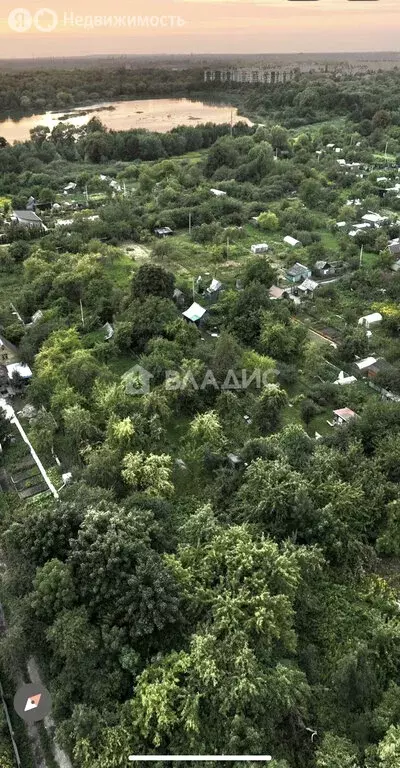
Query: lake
(148,114)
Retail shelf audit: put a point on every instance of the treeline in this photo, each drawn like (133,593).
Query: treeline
(94,143)
(30,92)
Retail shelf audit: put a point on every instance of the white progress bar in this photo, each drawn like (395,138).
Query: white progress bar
(200,758)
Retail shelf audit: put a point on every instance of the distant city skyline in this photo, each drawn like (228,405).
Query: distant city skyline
(210,27)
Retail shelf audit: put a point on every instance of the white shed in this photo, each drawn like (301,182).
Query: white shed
(372,319)
(291,241)
(259,248)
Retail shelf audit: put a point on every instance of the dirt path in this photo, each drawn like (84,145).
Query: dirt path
(60,756)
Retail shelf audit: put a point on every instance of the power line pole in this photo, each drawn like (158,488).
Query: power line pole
(190,223)
(83,319)
(361,254)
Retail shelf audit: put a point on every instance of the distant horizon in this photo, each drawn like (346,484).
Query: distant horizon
(198,54)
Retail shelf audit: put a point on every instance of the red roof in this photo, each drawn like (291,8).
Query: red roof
(345,413)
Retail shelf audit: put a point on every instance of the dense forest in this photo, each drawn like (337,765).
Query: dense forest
(220,573)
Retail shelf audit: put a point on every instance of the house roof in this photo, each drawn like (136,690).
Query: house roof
(375,218)
(362,365)
(217,192)
(345,413)
(322,264)
(291,240)
(308,285)
(297,269)
(194,312)
(275,292)
(343,379)
(374,317)
(27,216)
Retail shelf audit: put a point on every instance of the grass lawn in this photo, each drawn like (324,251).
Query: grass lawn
(119,269)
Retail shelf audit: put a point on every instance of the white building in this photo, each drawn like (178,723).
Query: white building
(373,319)
(259,248)
(291,241)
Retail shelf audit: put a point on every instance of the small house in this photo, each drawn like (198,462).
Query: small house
(291,241)
(341,224)
(380,366)
(307,287)
(163,231)
(298,273)
(344,416)
(370,320)
(365,364)
(396,266)
(259,248)
(214,288)
(218,192)
(28,219)
(324,268)
(194,313)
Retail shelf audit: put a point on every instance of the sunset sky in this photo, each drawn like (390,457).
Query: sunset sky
(211,26)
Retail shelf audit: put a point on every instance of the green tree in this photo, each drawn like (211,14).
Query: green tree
(336,752)
(152,280)
(268,408)
(150,474)
(268,221)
